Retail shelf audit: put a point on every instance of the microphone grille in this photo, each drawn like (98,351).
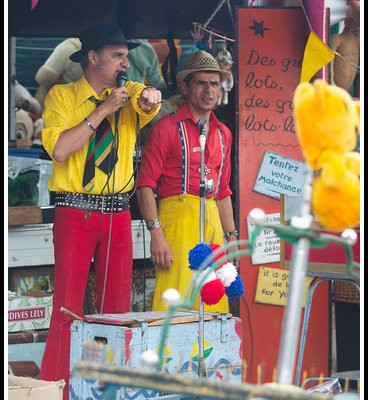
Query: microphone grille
(122,75)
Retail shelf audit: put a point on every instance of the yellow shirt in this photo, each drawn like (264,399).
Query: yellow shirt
(65,107)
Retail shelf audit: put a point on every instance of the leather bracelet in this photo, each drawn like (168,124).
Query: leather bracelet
(231,233)
(90,125)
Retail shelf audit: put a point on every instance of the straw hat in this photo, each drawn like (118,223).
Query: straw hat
(201,61)
(97,36)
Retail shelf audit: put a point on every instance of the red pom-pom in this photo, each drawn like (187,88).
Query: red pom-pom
(212,292)
(221,255)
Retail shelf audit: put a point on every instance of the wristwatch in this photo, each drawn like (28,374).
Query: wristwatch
(231,233)
(153,224)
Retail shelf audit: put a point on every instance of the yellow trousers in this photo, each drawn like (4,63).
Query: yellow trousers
(180,219)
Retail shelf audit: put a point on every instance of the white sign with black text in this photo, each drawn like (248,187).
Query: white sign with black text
(280,175)
(266,246)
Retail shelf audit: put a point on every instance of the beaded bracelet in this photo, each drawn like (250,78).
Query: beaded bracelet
(90,125)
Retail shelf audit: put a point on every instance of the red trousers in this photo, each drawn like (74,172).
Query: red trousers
(78,237)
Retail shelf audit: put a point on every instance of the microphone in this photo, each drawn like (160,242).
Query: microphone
(121,79)
(202,131)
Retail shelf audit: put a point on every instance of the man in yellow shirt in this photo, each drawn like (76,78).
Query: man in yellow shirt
(92,176)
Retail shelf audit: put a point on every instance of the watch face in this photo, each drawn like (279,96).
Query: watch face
(153,224)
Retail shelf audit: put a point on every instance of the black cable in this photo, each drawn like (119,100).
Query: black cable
(115,145)
(135,169)
(137,156)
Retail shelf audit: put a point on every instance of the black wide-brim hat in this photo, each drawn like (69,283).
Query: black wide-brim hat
(97,36)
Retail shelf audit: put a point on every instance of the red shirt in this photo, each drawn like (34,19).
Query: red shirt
(161,166)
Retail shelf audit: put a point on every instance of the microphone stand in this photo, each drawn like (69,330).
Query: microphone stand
(202,195)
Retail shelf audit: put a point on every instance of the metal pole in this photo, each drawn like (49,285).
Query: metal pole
(12,78)
(293,308)
(202,194)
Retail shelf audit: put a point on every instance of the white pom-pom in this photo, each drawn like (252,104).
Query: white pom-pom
(257,215)
(211,276)
(199,275)
(350,236)
(149,358)
(227,274)
(171,297)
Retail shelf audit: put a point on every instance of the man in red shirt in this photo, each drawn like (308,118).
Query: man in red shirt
(170,175)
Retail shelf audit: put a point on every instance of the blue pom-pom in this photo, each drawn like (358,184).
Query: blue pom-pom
(198,254)
(236,289)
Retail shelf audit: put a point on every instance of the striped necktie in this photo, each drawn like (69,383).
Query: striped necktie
(99,152)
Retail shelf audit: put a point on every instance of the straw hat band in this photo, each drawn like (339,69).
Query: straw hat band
(202,61)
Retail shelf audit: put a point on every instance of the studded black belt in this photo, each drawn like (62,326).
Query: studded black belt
(104,203)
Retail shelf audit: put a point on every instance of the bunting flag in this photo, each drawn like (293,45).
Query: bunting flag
(316,55)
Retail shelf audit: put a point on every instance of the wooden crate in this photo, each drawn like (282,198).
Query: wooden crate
(120,340)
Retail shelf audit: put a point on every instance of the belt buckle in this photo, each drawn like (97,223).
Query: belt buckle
(103,205)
